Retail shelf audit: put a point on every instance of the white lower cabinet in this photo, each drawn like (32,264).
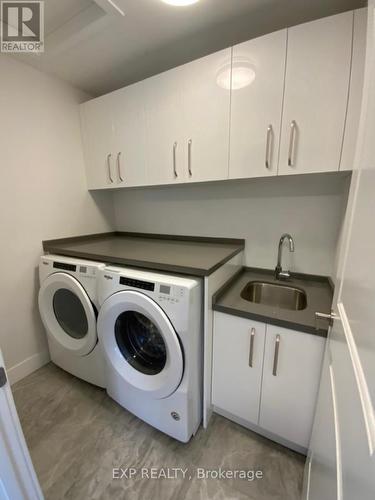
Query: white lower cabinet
(237,365)
(277,394)
(291,376)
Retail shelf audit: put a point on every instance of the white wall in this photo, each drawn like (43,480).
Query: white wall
(42,195)
(310,208)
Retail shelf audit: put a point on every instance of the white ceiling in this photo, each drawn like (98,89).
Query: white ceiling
(92,46)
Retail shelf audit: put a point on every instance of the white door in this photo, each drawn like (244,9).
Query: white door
(258,72)
(238,347)
(316,94)
(322,465)
(97,134)
(17,476)
(129,146)
(352,339)
(206,104)
(291,374)
(140,343)
(164,134)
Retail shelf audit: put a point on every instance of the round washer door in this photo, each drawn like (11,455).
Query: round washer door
(68,314)
(140,343)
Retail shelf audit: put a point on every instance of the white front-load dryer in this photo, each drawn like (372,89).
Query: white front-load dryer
(150,328)
(68,307)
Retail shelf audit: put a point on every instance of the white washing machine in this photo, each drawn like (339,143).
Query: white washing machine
(68,307)
(150,328)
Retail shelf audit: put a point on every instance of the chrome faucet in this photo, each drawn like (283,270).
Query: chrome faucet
(279,273)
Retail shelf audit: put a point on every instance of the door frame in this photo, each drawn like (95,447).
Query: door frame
(17,475)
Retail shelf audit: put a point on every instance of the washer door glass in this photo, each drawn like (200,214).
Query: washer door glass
(70,313)
(140,342)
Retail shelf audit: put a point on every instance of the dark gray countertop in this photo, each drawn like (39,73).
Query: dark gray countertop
(318,289)
(180,254)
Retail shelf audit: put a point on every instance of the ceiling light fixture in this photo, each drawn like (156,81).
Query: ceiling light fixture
(180,3)
(240,75)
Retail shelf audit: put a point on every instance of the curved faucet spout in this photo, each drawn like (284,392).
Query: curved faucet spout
(279,273)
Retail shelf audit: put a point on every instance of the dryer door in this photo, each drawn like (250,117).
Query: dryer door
(140,343)
(68,314)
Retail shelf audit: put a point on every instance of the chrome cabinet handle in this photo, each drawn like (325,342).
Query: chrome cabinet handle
(292,141)
(276,355)
(269,145)
(174,160)
(190,143)
(251,353)
(109,167)
(119,167)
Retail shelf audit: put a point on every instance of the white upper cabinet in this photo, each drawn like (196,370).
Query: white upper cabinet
(206,109)
(276,105)
(164,137)
(356,88)
(129,136)
(257,98)
(316,95)
(97,132)
(114,135)
(291,375)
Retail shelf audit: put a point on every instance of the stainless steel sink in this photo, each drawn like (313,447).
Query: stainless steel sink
(272,294)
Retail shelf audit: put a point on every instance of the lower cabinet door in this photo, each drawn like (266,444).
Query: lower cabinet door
(291,375)
(238,349)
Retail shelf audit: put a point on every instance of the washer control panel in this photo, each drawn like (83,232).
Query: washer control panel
(64,266)
(143,285)
(171,294)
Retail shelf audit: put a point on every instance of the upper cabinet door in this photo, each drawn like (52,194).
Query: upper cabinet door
(316,94)
(129,123)
(257,97)
(206,102)
(356,90)
(97,132)
(164,136)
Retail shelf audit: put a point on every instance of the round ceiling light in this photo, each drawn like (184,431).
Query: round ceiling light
(241,75)
(180,3)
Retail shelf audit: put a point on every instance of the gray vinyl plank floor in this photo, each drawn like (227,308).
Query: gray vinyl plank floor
(77,435)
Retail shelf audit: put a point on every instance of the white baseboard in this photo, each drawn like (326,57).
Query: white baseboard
(27,366)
